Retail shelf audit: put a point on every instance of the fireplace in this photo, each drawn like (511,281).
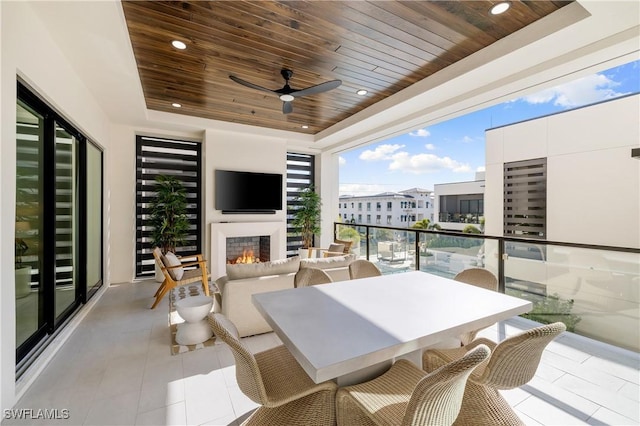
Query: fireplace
(254,249)
(271,243)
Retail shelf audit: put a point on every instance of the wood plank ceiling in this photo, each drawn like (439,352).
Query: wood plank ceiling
(380,46)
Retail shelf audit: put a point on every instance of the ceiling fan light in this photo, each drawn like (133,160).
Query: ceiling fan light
(178,44)
(361,92)
(286,98)
(176,105)
(304,126)
(500,8)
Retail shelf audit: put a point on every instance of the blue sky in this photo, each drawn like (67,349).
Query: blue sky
(453,151)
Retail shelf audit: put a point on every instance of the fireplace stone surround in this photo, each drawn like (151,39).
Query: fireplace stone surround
(220,231)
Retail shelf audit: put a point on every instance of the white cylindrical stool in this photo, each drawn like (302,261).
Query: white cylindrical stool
(194,310)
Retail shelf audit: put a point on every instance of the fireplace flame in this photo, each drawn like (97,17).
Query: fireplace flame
(247,257)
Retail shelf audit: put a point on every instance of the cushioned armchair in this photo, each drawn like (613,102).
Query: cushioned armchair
(175,274)
(337,248)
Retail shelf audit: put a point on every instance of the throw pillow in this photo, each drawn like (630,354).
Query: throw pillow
(336,248)
(347,245)
(172,260)
(252,270)
(328,262)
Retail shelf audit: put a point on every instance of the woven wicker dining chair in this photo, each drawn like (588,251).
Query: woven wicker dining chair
(363,268)
(478,277)
(407,395)
(275,380)
(513,363)
(306,277)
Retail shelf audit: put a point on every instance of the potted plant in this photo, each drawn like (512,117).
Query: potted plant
(169,215)
(306,217)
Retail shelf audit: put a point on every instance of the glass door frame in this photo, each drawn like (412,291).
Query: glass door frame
(50,323)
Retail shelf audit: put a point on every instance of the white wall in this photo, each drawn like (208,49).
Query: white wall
(593,184)
(26,46)
(245,152)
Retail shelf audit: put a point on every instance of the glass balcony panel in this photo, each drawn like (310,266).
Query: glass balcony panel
(447,255)
(594,292)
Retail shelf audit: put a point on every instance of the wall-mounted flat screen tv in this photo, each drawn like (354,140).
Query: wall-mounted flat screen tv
(247,192)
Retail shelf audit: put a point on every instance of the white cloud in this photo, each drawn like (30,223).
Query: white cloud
(586,90)
(430,146)
(425,163)
(341,161)
(422,133)
(467,139)
(382,152)
(480,169)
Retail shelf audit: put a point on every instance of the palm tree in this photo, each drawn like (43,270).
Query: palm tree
(426,224)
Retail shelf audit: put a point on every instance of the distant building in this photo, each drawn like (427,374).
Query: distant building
(399,209)
(459,204)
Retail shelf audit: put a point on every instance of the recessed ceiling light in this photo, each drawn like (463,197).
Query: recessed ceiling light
(178,44)
(361,92)
(500,8)
(176,105)
(304,126)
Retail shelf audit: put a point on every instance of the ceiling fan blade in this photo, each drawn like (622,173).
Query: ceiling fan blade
(287,107)
(251,85)
(322,87)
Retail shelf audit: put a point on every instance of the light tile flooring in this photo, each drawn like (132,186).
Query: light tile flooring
(116,369)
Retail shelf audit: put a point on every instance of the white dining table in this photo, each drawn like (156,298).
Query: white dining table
(352,330)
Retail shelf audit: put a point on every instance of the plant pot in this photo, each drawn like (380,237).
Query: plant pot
(23,282)
(303,253)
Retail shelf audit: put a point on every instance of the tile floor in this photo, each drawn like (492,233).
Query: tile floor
(116,369)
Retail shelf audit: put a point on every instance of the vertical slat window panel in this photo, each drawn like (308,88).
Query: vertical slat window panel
(300,175)
(182,160)
(525,198)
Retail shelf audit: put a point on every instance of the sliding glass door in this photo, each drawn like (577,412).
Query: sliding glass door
(58,241)
(30,323)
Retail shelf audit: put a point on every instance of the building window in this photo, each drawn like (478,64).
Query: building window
(389,206)
(359,218)
(368,218)
(525,198)
(377,219)
(378,207)
(359,207)
(389,220)
(368,207)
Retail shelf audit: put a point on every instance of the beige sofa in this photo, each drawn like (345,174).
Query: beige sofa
(241,281)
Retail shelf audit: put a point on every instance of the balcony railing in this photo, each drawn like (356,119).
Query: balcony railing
(594,290)
(460,217)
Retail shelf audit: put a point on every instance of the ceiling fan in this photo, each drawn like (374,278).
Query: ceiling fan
(287,94)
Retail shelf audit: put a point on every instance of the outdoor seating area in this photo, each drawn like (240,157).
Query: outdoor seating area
(135,380)
(261,213)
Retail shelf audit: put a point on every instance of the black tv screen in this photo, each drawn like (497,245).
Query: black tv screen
(246,192)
